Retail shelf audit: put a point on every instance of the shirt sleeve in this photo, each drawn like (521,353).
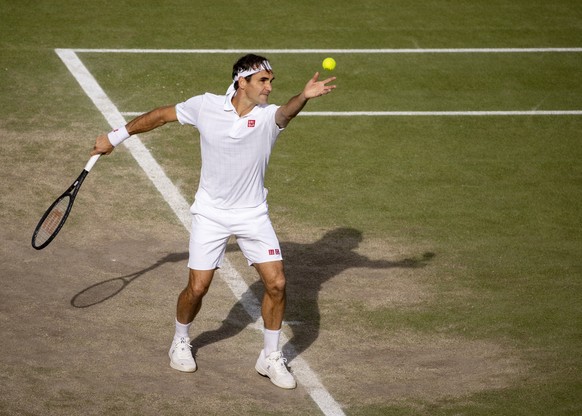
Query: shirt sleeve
(188,111)
(276,130)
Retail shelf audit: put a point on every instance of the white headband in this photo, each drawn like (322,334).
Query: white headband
(263,66)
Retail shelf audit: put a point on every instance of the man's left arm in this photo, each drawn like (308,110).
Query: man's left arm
(313,88)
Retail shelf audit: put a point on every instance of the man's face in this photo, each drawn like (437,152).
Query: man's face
(259,87)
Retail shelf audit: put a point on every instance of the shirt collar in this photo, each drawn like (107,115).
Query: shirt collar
(228,102)
(228,106)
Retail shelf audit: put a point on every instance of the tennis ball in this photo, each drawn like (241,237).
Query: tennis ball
(328,64)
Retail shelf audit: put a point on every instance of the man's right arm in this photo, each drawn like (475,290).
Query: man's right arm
(141,124)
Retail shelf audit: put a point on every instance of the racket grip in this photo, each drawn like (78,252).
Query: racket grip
(91,162)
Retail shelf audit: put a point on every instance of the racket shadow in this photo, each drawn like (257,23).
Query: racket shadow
(102,291)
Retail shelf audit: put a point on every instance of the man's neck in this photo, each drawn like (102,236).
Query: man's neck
(241,105)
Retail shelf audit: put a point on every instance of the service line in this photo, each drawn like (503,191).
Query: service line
(335,51)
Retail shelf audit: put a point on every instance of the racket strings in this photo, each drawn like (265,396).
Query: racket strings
(51,223)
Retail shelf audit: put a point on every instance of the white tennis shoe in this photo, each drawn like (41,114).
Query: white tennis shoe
(181,357)
(274,367)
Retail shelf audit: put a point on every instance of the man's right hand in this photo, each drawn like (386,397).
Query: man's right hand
(102,146)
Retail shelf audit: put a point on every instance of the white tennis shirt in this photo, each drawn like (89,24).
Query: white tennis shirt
(235,150)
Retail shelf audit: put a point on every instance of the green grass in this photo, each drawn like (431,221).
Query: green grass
(497,199)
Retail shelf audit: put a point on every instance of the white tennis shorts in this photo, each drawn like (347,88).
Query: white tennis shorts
(212,227)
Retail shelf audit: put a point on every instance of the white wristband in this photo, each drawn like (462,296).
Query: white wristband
(118,135)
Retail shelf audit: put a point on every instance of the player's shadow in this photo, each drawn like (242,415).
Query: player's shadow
(307,268)
(100,292)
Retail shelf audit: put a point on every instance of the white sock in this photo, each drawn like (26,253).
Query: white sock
(181,330)
(271,341)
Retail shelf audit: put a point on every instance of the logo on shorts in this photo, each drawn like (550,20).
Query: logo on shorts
(251,123)
(273,252)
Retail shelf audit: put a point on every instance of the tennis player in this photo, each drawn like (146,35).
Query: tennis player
(237,133)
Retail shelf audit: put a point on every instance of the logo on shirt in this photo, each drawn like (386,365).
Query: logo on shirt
(273,252)
(251,123)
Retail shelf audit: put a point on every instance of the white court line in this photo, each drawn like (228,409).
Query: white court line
(443,113)
(176,201)
(337,51)
(422,113)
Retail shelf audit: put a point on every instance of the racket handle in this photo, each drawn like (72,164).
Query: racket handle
(91,162)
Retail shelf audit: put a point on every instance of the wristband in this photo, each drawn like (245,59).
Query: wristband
(117,136)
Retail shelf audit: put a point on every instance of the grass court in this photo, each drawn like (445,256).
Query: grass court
(433,248)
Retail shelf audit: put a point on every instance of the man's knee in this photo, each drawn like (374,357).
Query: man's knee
(196,291)
(273,277)
(199,283)
(276,287)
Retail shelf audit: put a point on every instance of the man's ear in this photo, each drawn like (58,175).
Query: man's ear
(242,83)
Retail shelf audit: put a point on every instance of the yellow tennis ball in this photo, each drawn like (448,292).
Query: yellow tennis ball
(328,64)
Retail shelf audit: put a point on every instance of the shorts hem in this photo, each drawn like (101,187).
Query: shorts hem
(265,260)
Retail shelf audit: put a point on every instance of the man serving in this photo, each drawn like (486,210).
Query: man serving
(237,134)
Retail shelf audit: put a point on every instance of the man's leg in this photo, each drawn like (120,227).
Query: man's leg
(274,299)
(188,306)
(271,362)
(190,299)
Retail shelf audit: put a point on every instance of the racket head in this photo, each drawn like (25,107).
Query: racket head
(55,216)
(52,221)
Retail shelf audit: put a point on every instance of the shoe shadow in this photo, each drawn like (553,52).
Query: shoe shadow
(307,268)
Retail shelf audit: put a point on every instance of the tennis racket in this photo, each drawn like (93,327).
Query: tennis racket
(55,216)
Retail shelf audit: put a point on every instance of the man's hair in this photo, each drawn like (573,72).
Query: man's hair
(246,63)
